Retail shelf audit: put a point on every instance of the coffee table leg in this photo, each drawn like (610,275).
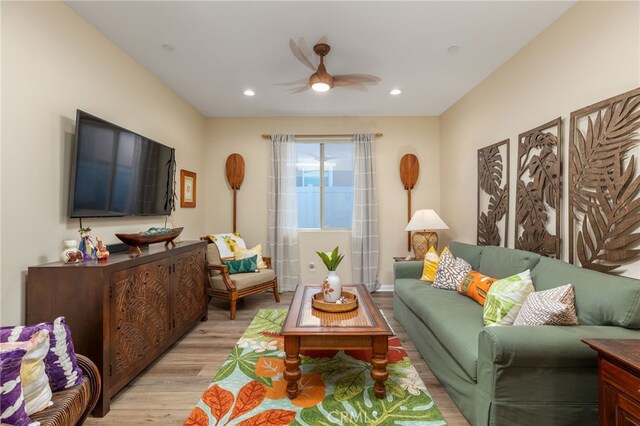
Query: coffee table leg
(379,363)
(292,364)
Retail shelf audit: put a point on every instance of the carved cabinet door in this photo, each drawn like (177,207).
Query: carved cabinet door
(140,318)
(190,297)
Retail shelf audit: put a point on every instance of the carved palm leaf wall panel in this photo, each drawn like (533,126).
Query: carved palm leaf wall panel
(493,194)
(604,184)
(538,189)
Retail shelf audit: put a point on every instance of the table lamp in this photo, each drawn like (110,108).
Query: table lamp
(422,239)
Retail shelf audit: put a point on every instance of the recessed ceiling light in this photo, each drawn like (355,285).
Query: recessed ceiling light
(168,47)
(395,92)
(249,92)
(453,49)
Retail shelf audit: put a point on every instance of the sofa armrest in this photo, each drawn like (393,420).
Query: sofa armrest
(542,372)
(545,346)
(408,269)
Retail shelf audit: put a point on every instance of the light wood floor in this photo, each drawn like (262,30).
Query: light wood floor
(168,390)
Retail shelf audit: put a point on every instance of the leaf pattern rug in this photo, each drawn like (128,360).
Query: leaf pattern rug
(336,386)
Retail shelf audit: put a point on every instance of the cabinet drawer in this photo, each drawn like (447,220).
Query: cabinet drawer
(621,379)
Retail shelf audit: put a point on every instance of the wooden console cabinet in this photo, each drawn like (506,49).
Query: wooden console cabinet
(618,380)
(124,312)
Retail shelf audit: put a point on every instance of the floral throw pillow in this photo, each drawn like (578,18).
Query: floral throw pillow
(451,270)
(555,306)
(505,298)
(431,260)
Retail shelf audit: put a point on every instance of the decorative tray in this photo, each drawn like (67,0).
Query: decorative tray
(134,241)
(318,302)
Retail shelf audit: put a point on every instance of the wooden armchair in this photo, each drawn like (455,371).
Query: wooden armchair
(236,286)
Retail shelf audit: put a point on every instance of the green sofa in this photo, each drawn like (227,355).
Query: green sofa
(510,375)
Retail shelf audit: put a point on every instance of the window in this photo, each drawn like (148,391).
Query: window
(324,184)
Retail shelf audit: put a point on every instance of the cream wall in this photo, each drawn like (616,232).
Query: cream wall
(590,53)
(402,135)
(54,62)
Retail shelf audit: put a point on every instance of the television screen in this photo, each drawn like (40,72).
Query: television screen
(117,172)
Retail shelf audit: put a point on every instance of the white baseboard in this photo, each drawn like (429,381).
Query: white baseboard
(385,287)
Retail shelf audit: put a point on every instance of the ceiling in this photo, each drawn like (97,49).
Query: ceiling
(222,48)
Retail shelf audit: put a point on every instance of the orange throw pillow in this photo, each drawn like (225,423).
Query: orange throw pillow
(476,286)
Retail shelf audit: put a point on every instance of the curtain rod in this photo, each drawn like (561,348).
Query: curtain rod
(342,135)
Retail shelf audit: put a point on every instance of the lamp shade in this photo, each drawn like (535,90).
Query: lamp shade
(425,219)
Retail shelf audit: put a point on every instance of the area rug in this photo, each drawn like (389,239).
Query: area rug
(336,386)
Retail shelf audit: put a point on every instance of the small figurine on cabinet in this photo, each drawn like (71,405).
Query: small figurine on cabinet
(102,253)
(86,245)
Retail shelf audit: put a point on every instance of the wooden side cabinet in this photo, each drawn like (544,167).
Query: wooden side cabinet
(125,312)
(618,380)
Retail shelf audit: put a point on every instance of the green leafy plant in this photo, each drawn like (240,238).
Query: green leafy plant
(331,262)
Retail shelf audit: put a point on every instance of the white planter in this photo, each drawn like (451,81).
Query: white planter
(331,287)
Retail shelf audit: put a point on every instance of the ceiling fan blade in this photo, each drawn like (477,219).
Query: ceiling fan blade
(297,52)
(356,87)
(291,83)
(300,89)
(346,79)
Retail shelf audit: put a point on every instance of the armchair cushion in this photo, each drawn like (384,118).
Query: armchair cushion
(227,244)
(247,265)
(243,281)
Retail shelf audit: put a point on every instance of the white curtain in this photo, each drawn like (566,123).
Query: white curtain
(364,227)
(283,219)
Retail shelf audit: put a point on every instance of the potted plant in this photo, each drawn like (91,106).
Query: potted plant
(331,286)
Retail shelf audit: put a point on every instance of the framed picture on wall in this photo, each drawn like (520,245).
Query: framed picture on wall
(187,189)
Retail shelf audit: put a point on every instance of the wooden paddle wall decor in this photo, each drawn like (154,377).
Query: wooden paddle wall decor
(493,194)
(409,171)
(604,184)
(235,176)
(538,190)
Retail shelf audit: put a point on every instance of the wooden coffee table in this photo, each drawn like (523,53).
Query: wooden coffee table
(308,328)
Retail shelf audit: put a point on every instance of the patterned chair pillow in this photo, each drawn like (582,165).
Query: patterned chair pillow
(250,264)
(451,270)
(227,244)
(12,411)
(243,253)
(431,260)
(505,298)
(34,380)
(60,362)
(476,286)
(555,306)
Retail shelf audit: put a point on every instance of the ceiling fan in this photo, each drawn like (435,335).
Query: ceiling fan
(321,80)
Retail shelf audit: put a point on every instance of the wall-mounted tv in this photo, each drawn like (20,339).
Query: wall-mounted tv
(116,172)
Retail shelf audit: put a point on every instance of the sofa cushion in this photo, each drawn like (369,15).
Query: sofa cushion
(451,270)
(555,306)
(454,319)
(501,262)
(431,260)
(601,299)
(468,252)
(476,286)
(505,298)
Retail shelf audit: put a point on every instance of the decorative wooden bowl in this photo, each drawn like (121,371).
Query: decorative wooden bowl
(134,241)
(318,302)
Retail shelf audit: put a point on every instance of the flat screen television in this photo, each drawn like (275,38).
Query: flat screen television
(117,172)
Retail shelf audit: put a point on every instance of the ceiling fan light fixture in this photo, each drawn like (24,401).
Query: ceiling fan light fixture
(321,82)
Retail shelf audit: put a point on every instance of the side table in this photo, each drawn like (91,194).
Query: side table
(618,380)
